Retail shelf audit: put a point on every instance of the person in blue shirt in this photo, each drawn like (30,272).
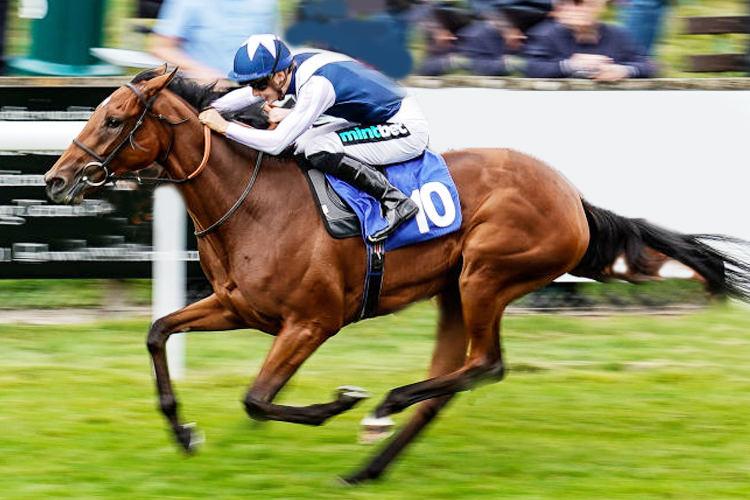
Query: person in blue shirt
(645,21)
(377,121)
(201,37)
(576,44)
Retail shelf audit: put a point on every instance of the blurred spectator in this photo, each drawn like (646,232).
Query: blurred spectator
(643,18)
(483,44)
(484,47)
(363,31)
(201,37)
(403,13)
(441,23)
(149,9)
(490,43)
(576,44)
(482,8)
(518,17)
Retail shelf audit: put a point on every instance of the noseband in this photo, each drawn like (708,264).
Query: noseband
(102,164)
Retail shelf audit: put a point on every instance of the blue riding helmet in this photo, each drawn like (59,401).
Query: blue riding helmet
(259,57)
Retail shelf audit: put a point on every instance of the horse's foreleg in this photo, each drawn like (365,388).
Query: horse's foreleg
(293,345)
(205,315)
(449,355)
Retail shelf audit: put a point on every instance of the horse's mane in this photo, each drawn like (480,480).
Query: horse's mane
(197,95)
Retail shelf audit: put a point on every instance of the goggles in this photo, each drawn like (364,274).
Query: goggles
(260,83)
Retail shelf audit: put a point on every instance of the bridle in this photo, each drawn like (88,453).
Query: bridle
(103,163)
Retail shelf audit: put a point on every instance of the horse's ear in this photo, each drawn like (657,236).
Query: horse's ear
(155,84)
(171,75)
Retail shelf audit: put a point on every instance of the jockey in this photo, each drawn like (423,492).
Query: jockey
(378,121)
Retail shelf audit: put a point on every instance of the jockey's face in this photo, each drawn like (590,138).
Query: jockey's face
(276,88)
(269,94)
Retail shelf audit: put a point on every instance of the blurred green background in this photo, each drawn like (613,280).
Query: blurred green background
(670,53)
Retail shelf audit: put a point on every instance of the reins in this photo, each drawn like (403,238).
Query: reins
(236,205)
(103,163)
(165,180)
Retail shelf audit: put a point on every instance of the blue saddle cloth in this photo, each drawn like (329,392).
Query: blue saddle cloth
(427,181)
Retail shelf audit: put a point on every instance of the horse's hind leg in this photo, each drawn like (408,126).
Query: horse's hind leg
(484,301)
(449,355)
(293,345)
(205,315)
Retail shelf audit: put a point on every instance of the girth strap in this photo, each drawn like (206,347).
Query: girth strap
(373,280)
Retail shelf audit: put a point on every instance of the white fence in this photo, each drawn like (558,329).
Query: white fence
(677,158)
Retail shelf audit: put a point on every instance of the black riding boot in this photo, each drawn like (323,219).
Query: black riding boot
(396,206)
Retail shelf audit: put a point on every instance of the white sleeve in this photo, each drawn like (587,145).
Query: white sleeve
(235,100)
(315,97)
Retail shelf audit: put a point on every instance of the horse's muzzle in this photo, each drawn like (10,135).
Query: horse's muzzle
(59,191)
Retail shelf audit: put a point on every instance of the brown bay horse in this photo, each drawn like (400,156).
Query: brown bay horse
(274,267)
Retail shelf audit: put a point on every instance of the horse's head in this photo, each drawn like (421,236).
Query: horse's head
(122,135)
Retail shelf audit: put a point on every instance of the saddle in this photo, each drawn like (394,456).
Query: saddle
(339,218)
(347,211)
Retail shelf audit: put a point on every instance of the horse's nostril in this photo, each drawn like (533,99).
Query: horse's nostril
(55,184)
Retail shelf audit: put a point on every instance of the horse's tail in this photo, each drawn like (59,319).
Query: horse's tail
(635,240)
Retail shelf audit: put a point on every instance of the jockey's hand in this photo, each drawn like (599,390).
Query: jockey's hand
(214,120)
(275,113)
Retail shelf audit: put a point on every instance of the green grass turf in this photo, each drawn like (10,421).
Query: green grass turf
(624,407)
(72,293)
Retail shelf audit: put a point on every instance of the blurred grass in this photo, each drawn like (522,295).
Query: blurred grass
(100,293)
(593,408)
(88,293)
(671,51)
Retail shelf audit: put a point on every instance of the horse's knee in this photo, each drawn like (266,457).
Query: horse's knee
(157,336)
(496,371)
(254,408)
(487,372)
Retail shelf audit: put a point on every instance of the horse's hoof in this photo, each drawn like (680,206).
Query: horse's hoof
(354,479)
(375,429)
(190,437)
(352,391)
(347,481)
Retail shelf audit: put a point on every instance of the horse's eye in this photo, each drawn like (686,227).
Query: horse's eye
(112,122)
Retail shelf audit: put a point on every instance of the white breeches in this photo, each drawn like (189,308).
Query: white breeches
(403,137)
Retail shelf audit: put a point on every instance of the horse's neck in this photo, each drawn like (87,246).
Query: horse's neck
(213,192)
